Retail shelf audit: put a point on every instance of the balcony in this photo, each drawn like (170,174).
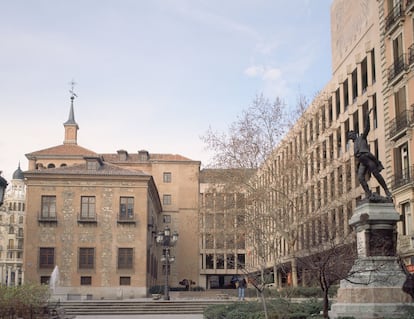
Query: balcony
(82,219)
(409,5)
(402,178)
(401,123)
(130,219)
(395,16)
(397,68)
(46,219)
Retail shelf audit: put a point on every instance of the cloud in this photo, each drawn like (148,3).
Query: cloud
(263,72)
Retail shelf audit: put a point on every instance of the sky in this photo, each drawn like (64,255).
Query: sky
(150,74)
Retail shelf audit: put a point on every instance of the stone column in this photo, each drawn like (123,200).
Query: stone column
(9,276)
(373,287)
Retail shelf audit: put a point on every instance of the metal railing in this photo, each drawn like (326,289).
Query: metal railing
(403,177)
(394,16)
(398,66)
(401,122)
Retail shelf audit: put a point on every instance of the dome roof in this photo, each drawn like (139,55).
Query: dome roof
(18,173)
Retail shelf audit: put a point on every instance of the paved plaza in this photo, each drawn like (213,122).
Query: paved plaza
(165,316)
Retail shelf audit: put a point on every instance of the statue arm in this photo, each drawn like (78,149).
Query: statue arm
(367,125)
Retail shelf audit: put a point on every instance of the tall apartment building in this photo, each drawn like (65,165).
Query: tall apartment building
(310,179)
(95,216)
(12,215)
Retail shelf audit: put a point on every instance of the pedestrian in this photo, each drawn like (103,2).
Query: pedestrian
(242,286)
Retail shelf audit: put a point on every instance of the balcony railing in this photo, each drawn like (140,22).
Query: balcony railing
(394,16)
(399,65)
(46,218)
(411,54)
(403,121)
(409,5)
(404,177)
(87,219)
(129,219)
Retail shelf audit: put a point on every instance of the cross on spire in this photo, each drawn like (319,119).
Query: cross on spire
(71,91)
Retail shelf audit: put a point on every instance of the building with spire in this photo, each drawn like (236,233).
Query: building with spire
(12,215)
(96,216)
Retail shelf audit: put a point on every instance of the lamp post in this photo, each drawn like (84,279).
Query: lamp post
(3,185)
(166,240)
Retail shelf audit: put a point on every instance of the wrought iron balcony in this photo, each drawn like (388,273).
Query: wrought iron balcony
(411,53)
(409,5)
(403,177)
(403,121)
(395,15)
(399,65)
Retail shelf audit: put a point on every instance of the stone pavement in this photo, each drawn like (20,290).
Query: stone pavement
(182,316)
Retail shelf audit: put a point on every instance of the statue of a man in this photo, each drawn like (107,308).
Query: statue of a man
(367,162)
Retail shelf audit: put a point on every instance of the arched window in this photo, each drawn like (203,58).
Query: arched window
(51,165)
(63,165)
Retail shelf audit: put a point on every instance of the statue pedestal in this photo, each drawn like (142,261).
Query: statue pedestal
(373,287)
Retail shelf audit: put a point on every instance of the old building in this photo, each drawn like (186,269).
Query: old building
(12,215)
(95,216)
(397,27)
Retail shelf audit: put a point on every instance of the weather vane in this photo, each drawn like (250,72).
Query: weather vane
(71,91)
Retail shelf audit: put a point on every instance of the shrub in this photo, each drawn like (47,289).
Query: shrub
(23,300)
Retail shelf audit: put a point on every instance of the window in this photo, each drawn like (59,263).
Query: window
(88,207)
(166,199)
(407,219)
(46,257)
(167,177)
(125,258)
(125,281)
(166,219)
(354,85)
(86,258)
(346,94)
(44,280)
(86,280)
(126,208)
(364,75)
(48,207)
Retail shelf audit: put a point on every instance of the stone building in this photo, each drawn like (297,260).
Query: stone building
(12,215)
(95,216)
(397,28)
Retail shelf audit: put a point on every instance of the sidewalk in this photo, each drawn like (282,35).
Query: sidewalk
(142,317)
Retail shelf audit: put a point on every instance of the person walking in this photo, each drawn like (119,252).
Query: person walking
(242,286)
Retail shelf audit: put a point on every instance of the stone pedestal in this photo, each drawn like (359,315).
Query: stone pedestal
(373,287)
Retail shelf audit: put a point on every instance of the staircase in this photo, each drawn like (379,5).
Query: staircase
(137,307)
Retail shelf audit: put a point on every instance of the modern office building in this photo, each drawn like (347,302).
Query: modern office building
(311,176)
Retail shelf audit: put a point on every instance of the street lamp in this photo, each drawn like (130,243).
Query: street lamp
(3,185)
(166,240)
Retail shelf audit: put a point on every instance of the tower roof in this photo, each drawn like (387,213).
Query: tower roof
(18,173)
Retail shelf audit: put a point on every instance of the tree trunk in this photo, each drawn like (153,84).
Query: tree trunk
(325,302)
(294,266)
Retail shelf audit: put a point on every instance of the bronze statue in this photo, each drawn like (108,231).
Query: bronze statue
(367,162)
